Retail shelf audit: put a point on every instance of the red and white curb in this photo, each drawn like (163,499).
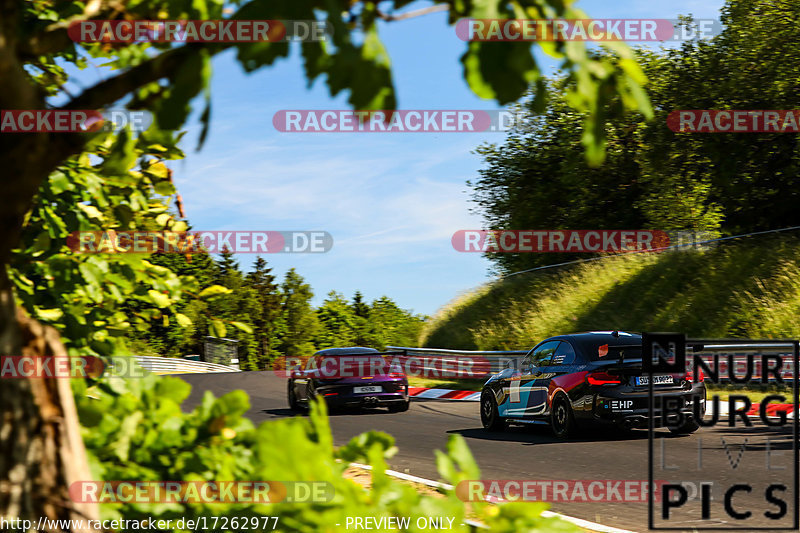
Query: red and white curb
(585,524)
(475,396)
(755,411)
(444,394)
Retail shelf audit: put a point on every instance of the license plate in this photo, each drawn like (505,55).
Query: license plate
(657,380)
(366,390)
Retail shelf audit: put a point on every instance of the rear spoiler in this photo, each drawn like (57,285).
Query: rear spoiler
(621,347)
(388,353)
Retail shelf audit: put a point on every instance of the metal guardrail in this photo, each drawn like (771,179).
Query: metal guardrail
(498,360)
(174,365)
(746,347)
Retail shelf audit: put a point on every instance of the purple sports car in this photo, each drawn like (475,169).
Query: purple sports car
(350,377)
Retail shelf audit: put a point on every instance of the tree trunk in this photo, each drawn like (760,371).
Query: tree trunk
(41,450)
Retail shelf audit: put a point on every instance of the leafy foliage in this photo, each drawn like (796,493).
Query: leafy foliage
(96,299)
(135,430)
(379,324)
(268,319)
(355,60)
(652,176)
(302,325)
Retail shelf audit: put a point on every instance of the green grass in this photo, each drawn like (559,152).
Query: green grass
(756,393)
(742,289)
(461,384)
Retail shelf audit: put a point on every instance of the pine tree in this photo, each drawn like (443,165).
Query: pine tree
(301,324)
(268,311)
(339,322)
(360,307)
(227,268)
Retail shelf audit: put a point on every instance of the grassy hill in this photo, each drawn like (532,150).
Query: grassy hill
(745,288)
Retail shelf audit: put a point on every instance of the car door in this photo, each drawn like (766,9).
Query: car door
(527,388)
(562,362)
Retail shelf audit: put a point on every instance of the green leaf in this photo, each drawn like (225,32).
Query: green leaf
(160,299)
(122,156)
(183,320)
(164,188)
(121,446)
(91,211)
(59,183)
(218,328)
(159,170)
(502,71)
(41,244)
(51,315)
(356,450)
(190,78)
(365,71)
(91,273)
(242,326)
(214,290)
(179,225)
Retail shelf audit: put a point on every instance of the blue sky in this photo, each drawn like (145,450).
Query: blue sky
(391,200)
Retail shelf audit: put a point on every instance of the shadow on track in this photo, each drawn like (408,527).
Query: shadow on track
(538,435)
(362,411)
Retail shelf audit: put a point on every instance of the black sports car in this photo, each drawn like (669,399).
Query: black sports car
(583,378)
(355,377)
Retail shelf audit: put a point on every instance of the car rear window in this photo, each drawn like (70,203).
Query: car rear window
(350,365)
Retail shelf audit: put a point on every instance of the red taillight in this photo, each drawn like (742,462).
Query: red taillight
(700,376)
(602,378)
(331,393)
(396,372)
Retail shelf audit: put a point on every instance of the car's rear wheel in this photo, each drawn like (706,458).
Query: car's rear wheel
(561,419)
(490,417)
(294,405)
(399,407)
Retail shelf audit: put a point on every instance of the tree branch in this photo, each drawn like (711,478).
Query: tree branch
(163,65)
(412,14)
(48,42)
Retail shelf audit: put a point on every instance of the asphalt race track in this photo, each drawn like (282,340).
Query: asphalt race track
(532,453)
